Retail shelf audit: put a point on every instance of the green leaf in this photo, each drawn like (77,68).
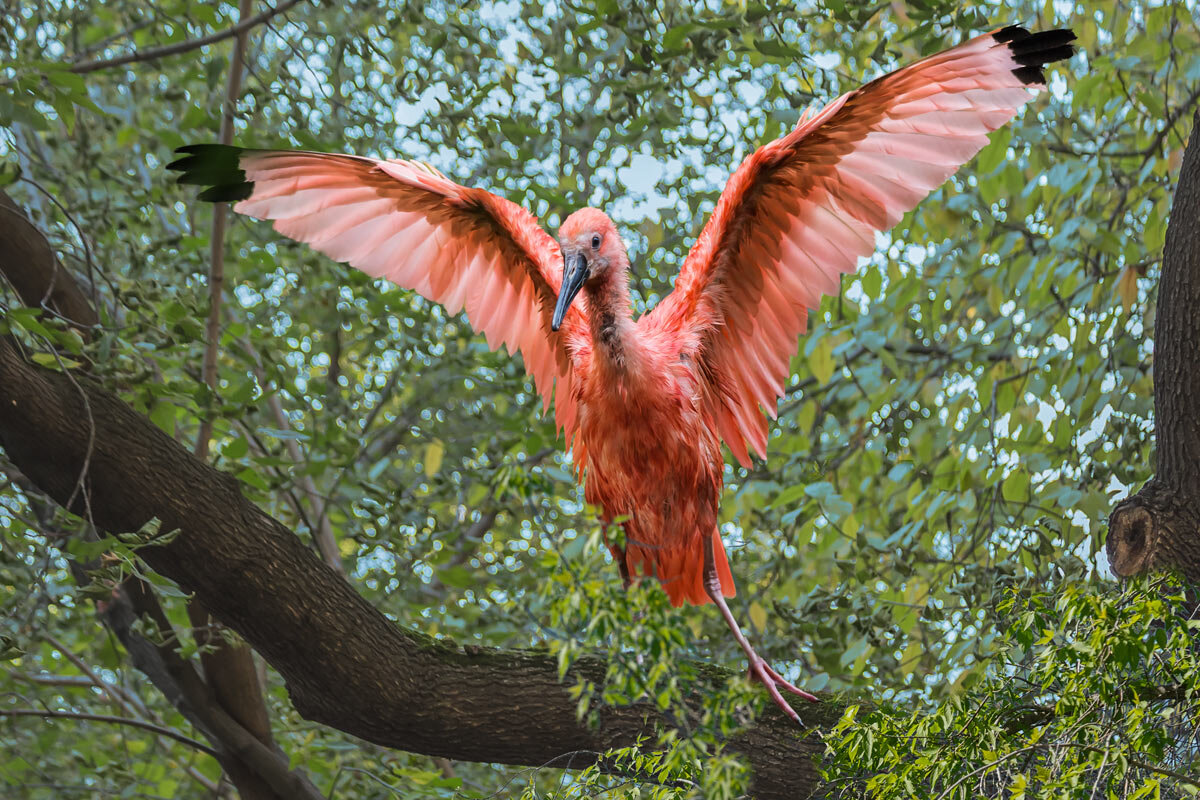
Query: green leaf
(820,360)
(458,577)
(676,36)
(434,451)
(163,416)
(758,616)
(236,449)
(995,152)
(9,649)
(776,49)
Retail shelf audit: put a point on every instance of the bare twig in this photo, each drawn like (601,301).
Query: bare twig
(184,47)
(114,693)
(113,39)
(133,723)
(322,529)
(131,704)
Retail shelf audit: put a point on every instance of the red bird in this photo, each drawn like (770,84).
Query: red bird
(645,404)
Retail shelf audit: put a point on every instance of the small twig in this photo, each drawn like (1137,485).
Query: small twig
(108,40)
(322,530)
(114,693)
(183,47)
(133,723)
(1169,126)
(133,705)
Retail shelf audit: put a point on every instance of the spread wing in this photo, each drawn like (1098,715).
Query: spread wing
(403,221)
(803,209)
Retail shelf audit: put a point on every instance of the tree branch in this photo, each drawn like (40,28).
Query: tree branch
(183,47)
(345,664)
(127,703)
(239,750)
(30,266)
(28,262)
(132,723)
(113,692)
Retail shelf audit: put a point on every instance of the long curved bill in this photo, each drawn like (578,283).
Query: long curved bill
(575,272)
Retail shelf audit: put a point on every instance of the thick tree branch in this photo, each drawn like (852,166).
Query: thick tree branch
(1176,336)
(239,750)
(30,266)
(345,664)
(183,47)
(1159,527)
(28,262)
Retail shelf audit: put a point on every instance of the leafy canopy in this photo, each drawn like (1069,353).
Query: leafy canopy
(958,422)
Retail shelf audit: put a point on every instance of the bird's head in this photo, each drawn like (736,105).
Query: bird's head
(592,253)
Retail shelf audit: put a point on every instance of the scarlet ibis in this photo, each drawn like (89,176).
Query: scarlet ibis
(644,405)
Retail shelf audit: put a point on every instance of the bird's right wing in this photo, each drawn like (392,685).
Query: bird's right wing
(804,208)
(404,221)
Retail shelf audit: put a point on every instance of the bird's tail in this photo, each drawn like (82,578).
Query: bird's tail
(681,572)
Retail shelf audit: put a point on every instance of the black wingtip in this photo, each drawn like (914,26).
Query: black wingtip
(227,193)
(1034,50)
(217,166)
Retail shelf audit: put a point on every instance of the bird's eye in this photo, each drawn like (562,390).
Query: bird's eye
(595,242)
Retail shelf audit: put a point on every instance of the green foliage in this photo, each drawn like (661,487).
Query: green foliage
(650,650)
(960,419)
(1092,693)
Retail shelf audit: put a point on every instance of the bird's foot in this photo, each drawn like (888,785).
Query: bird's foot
(760,670)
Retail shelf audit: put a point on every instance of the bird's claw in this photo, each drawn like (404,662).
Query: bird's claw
(761,671)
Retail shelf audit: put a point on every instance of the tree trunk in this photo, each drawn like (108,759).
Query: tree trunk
(1159,527)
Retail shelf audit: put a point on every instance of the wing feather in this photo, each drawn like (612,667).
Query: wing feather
(802,210)
(464,248)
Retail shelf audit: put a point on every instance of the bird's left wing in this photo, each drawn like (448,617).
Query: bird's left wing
(803,209)
(406,222)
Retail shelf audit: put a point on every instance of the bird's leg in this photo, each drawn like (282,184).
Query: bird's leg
(618,554)
(759,669)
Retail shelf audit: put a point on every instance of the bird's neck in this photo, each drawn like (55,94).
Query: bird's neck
(611,318)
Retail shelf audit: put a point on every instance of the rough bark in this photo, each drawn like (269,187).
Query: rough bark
(345,664)
(256,766)
(1159,527)
(28,263)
